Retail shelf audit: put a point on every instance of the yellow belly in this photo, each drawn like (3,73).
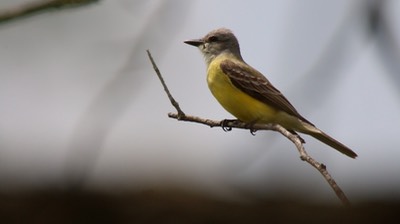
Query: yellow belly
(236,102)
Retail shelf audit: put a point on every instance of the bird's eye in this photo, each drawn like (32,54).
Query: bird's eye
(213,39)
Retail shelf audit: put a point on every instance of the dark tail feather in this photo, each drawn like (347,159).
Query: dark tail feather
(333,143)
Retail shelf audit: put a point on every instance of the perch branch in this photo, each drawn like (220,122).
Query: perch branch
(293,137)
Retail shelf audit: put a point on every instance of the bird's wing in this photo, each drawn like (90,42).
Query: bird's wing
(253,83)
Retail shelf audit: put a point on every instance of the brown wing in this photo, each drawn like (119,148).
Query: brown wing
(253,83)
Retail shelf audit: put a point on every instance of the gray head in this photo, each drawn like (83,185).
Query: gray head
(217,42)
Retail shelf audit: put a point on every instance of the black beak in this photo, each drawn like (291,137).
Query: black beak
(196,42)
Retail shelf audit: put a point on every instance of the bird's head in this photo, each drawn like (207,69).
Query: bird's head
(217,42)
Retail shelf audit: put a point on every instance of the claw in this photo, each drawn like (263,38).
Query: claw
(226,129)
(224,124)
(250,126)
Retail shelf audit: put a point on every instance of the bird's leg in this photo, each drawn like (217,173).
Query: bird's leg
(224,124)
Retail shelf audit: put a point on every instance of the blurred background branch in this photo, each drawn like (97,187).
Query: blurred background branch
(118,94)
(366,23)
(39,6)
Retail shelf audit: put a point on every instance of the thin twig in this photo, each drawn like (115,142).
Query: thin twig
(293,137)
(171,99)
(317,165)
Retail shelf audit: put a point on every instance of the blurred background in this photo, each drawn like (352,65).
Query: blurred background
(81,107)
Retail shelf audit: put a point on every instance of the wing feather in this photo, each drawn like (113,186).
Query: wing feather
(253,83)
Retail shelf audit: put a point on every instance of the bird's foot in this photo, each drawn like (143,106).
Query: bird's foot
(250,126)
(224,124)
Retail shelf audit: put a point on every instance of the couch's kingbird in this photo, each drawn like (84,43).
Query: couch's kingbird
(246,93)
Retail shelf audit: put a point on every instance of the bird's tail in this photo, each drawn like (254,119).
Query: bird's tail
(320,135)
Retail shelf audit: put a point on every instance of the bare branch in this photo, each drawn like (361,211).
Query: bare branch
(292,136)
(171,99)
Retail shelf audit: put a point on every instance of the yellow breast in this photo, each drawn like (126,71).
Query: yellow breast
(236,102)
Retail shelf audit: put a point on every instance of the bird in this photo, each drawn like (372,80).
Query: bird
(247,94)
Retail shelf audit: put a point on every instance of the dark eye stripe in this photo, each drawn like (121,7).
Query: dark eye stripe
(213,39)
